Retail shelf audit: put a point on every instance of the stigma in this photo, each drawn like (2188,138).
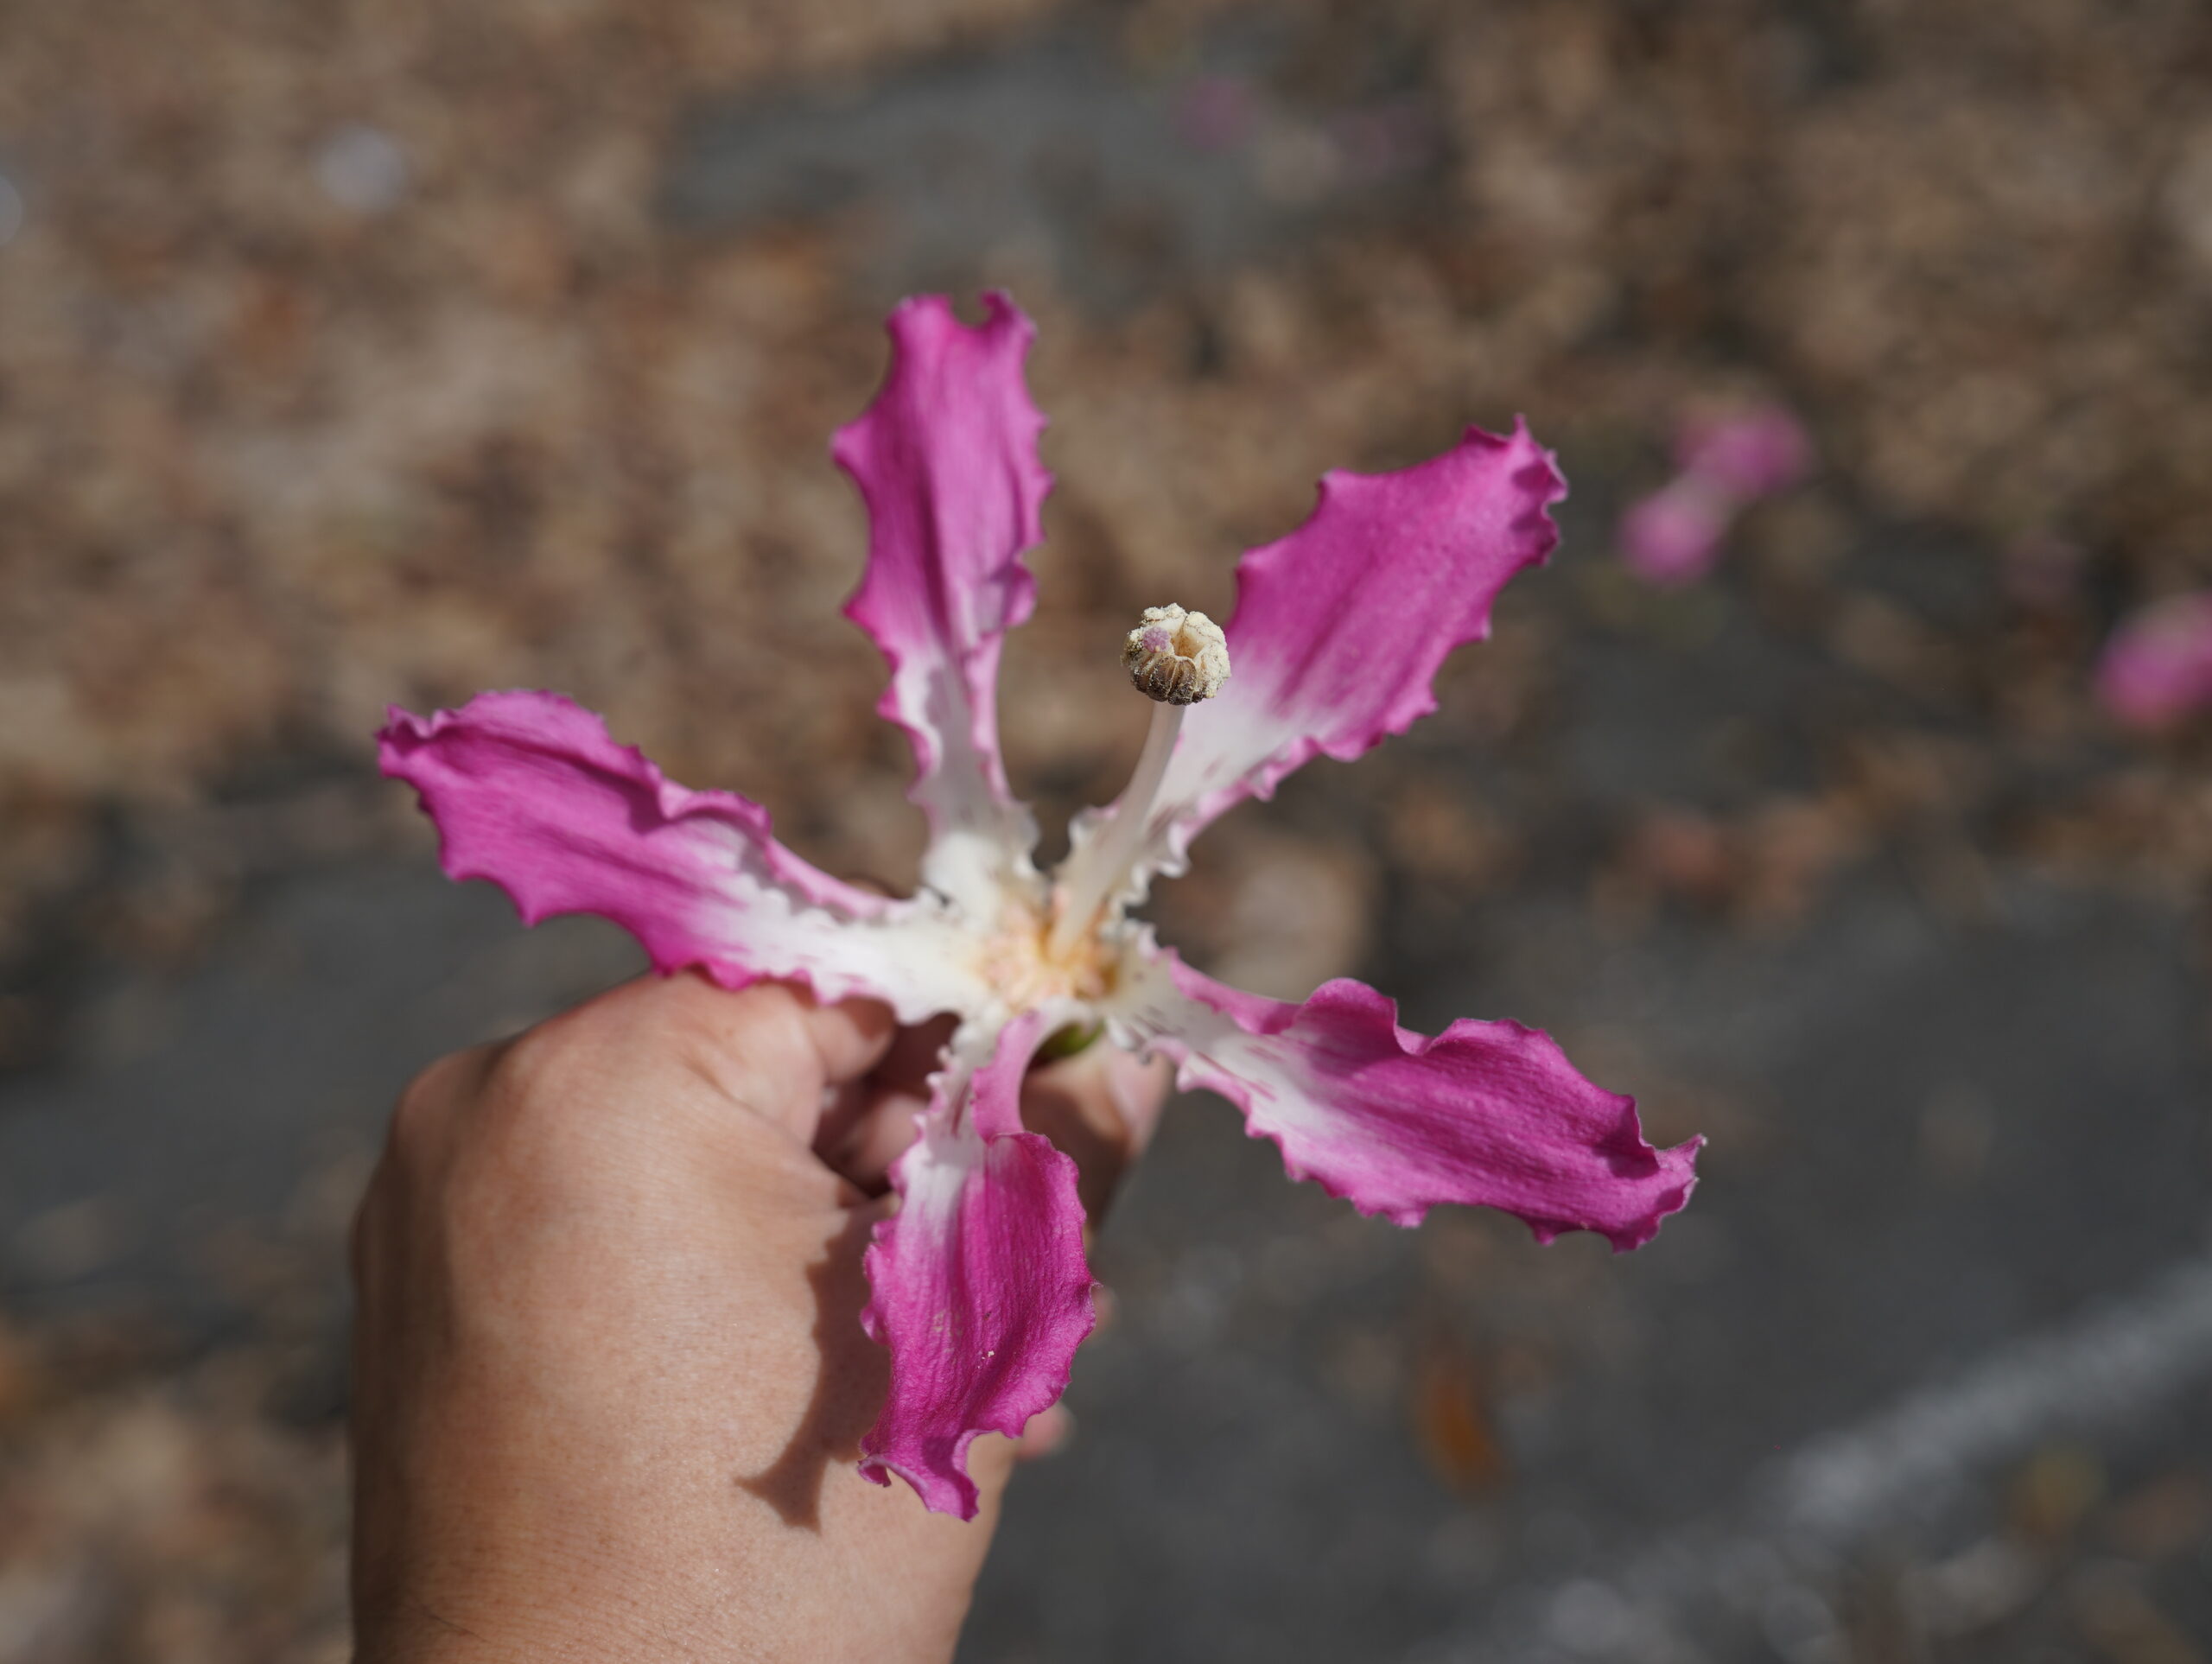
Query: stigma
(1175,656)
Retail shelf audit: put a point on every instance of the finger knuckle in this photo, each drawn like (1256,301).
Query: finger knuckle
(547,1098)
(422,1120)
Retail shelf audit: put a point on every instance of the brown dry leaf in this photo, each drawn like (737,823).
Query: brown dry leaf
(1452,1422)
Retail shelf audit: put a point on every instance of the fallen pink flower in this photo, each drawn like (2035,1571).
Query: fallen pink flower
(1217,112)
(1749,455)
(2157,666)
(1674,535)
(979,1284)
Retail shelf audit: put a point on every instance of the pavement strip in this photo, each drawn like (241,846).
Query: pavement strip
(1772,1558)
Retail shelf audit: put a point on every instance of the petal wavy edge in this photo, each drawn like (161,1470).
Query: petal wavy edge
(1236,749)
(1534,528)
(936,1409)
(936,597)
(540,800)
(1660,1180)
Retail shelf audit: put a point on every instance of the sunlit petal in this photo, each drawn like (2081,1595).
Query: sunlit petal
(1486,1113)
(528,789)
(1341,626)
(946,459)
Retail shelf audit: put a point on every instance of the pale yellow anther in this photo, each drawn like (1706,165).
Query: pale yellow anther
(1177,658)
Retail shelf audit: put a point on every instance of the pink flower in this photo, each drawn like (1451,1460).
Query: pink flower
(1749,455)
(1674,535)
(1217,112)
(979,1284)
(2157,666)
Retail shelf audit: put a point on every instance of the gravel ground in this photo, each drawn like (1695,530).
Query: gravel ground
(387,353)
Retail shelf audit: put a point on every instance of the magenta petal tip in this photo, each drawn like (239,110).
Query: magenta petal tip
(977,1285)
(1341,627)
(1487,1114)
(946,461)
(529,790)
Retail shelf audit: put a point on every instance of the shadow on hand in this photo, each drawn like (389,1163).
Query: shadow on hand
(848,1392)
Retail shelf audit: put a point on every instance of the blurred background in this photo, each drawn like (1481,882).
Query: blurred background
(357,353)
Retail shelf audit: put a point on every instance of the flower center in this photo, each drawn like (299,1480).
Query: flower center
(1022,965)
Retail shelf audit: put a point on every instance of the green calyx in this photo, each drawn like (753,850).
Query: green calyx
(1066,1041)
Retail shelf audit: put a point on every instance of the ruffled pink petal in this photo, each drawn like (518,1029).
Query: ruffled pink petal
(2157,666)
(1341,626)
(528,789)
(946,460)
(1673,536)
(1485,1113)
(978,1283)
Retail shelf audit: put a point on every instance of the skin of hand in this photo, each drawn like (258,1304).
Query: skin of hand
(609,1379)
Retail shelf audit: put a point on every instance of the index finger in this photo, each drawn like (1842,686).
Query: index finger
(772,1048)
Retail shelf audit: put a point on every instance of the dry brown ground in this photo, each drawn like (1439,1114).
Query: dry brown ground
(267,462)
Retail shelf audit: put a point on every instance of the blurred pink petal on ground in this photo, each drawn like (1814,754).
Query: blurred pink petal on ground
(1673,536)
(1748,454)
(2157,666)
(1725,463)
(1217,112)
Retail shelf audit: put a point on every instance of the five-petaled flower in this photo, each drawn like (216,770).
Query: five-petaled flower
(978,1282)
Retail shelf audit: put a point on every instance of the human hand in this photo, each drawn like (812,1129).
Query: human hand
(609,1379)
